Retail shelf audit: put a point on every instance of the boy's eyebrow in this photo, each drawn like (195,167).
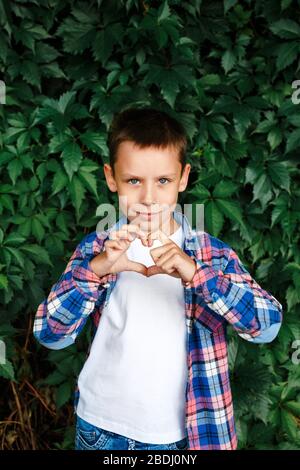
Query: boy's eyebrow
(128,175)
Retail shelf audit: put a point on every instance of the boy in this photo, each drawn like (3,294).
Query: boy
(156,376)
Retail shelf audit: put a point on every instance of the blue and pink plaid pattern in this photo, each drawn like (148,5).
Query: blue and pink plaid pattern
(222,292)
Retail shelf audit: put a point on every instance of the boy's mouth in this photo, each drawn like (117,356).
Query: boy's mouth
(147,214)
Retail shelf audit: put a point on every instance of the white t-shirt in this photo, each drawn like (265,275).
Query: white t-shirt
(134,380)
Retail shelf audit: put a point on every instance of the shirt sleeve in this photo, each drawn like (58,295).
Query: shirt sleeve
(62,315)
(234,295)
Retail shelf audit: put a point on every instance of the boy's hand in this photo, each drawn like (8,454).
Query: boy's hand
(170,259)
(114,259)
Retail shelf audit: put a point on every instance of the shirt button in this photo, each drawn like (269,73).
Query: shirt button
(107,284)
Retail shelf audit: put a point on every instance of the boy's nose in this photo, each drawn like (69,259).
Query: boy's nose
(148,196)
(147,205)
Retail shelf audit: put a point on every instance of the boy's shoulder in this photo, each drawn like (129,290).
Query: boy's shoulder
(211,249)
(207,241)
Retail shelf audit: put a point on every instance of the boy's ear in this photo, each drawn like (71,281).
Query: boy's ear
(110,180)
(184,178)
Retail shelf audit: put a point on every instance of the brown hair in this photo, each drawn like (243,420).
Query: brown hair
(146,127)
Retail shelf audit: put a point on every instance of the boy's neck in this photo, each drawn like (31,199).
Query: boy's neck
(170,226)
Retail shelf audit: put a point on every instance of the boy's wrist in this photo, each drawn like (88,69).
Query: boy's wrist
(99,265)
(188,282)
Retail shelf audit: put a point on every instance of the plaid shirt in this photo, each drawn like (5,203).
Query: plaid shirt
(221,292)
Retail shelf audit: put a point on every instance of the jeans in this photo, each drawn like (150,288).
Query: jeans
(90,437)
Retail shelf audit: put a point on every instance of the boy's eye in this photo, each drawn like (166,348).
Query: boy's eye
(135,179)
(164,179)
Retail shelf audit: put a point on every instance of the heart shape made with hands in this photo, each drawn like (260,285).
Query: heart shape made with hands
(164,239)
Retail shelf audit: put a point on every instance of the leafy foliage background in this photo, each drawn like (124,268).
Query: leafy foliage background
(225,69)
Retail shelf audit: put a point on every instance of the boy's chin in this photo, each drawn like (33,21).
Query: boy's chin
(152,224)
(149,226)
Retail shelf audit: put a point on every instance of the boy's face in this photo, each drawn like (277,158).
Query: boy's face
(147,181)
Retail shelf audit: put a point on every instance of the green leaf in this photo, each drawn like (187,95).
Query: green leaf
(105,41)
(286,29)
(31,73)
(294,119)
(89,181)
(289,424)
(17,256)
(280,175)
(236,150)
(14,239)
(210,79)
(229,4)
(163,12)
(293,406)
(265,126)
(200,192)
(224,189)
(77,192)
(287,54)
(65,100)
(72,157)
(228,60)
(213,219)
(293,140)
(5,157)
(7,201)
(168,81)
(262,190)
(53,70)
(7,370)
(218,132)
(37,229)
(46,52)
(15,169)
(292,297)
(231,210)
(55,378)
(280,208)
(63,393)
(3,282)
(95,141)
(274,138)
(59,183)
(38,253)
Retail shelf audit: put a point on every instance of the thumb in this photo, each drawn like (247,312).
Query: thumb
(137,267)
(152,270)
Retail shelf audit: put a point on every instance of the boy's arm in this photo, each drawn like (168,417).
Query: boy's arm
(235,295)
(61,317)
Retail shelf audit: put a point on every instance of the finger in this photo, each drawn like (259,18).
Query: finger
(168,265)
(120,234)
(152,270)
(134,231)
(137,267)
(164,238)
(118,244)
(159,251)
(163,259)
(161,236)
